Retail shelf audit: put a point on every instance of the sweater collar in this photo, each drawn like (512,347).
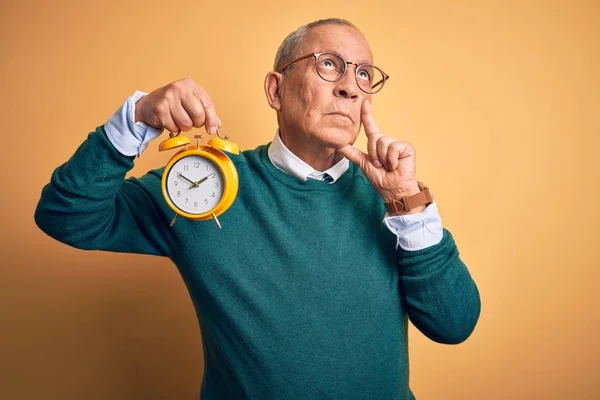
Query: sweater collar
(283,158)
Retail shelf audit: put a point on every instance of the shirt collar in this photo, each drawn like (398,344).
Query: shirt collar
(291,164)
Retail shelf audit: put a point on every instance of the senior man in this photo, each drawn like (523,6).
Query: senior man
(319,263)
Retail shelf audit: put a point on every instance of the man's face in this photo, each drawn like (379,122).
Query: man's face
(325,113)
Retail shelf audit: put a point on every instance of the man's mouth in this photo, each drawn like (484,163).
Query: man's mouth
(341,114)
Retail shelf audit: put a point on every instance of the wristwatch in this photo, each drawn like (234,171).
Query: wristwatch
(407,203)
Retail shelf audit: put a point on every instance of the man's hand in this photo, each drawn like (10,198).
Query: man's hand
(179,106)
(390,164)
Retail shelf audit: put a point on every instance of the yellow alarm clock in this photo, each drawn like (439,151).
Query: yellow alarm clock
(200,182)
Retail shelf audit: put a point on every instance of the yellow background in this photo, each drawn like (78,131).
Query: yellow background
(500,98)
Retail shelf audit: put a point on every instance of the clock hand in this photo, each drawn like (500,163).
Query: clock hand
(203,179)
(194,184)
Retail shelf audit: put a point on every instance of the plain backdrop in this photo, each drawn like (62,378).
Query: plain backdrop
(500,98)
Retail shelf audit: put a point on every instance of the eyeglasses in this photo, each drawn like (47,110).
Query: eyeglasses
(331,67)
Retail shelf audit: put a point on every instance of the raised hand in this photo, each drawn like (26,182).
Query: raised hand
(390,164)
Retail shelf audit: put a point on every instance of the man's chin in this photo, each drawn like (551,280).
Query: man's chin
(338,138)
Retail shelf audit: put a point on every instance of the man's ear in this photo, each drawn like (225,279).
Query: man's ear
(273,82)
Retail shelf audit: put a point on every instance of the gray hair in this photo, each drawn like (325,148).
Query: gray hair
(288,47)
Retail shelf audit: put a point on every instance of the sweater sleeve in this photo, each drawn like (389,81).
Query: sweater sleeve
(441,298)
(88,203)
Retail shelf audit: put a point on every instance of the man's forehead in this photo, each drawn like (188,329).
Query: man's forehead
(345,40)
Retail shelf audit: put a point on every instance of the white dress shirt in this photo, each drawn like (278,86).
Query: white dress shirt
(414,231)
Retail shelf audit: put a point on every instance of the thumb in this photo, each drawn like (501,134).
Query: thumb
(357,157)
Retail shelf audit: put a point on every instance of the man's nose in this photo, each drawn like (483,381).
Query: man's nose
(347,87)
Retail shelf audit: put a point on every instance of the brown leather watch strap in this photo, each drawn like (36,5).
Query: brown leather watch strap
(407,203)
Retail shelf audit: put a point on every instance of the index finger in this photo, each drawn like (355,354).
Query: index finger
(367,119)
(371,131)
(211,121)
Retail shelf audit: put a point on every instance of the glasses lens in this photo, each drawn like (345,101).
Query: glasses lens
(370,78)
(330,67)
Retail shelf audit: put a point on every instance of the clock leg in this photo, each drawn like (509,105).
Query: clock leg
(216,221)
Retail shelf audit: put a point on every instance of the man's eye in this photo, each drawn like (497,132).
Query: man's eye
(364,75)
(328,64)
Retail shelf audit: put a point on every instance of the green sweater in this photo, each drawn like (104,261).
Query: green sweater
(302,294)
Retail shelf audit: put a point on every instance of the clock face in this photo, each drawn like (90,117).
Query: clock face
(195,184)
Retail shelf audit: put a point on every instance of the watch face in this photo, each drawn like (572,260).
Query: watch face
(195,184)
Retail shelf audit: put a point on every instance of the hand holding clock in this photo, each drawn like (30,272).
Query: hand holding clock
(181,106)
(178,106)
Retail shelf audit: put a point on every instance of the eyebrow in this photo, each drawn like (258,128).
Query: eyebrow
(361,62)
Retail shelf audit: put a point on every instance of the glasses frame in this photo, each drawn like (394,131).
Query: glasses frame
(358,67)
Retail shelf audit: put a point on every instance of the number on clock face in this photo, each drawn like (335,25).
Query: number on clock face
(195,184)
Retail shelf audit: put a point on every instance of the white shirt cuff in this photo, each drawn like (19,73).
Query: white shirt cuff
(130,138)
(416,231)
